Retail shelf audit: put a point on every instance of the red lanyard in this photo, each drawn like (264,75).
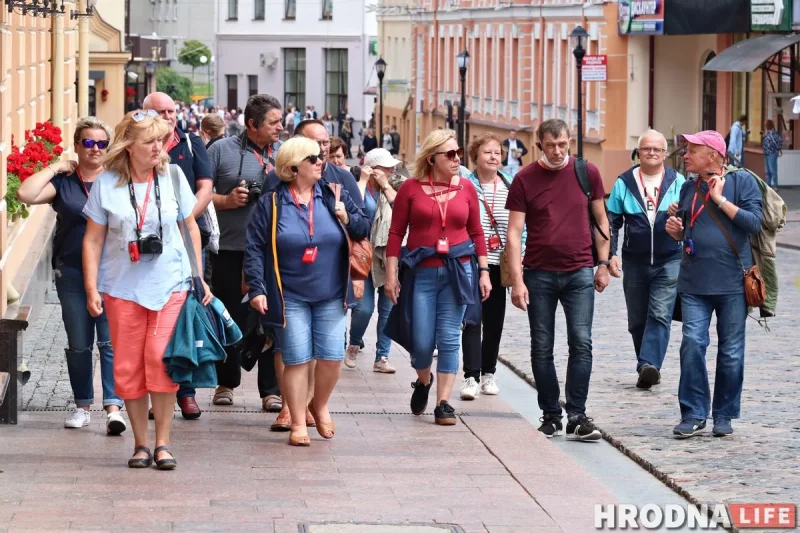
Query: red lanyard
(143,209)
(261,161)
(694,201)
(650,198)
(494,197)
(173,142)
(442,210)
(310,218)
(83,183)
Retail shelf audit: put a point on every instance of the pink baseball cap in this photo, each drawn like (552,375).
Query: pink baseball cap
(710,138)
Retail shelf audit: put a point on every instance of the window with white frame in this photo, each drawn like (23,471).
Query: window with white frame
(327,9)
(233,9)
(260,10)
(290,9)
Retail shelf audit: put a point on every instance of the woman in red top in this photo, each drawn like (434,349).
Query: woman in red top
(441,214)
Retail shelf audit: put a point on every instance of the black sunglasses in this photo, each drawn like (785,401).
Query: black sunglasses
(452,154)
(91,143)
(313,158)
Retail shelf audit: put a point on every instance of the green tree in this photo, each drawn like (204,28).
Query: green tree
(191,52)
(177,86)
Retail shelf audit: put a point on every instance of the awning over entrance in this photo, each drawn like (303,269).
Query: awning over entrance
(748,55)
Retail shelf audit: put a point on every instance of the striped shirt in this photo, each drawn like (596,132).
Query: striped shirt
(498,207)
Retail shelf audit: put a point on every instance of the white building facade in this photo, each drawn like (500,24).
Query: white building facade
(303,52)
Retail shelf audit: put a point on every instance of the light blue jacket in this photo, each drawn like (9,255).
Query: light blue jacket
(736,141)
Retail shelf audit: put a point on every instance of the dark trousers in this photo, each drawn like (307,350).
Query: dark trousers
(226,279)
(481,357)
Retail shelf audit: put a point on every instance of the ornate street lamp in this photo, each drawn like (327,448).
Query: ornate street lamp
(463,65)
(380,68)
(578,37)
(149,70)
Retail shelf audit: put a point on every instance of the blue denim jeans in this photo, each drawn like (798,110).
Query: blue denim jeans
(694,394)
(436,320)
(771,163)
(575,291)
(650,293)
(362,313)
(313,331)
(81,327)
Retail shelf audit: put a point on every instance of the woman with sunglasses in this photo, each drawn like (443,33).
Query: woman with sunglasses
(439,274)
(136,266)
(66,186)
(297,269)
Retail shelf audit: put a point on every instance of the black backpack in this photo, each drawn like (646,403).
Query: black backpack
(582,172)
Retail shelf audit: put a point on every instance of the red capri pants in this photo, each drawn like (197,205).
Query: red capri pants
(140,337)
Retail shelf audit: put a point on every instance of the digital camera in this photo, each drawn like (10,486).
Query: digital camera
(150,244)
(253,191)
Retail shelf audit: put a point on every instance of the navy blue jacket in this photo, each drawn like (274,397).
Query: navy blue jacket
(398,327)
(643,244)
(261,273)
(331,174)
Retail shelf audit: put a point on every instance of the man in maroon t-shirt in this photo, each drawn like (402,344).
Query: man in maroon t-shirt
(547,197)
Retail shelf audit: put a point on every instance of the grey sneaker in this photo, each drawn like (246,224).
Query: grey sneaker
(351,357)
(382,366)
(722,427)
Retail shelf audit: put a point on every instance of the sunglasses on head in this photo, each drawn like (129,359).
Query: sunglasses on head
(91,143)
(141,115)
(451,154)
(313,158)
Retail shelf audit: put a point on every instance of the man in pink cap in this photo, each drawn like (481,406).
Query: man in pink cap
(711,280)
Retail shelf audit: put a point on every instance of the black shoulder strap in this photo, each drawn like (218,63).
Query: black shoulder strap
(582,172)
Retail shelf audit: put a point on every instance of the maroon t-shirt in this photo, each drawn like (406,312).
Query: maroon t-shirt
(556,216)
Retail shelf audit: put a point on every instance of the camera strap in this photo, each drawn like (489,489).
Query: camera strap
(141,212)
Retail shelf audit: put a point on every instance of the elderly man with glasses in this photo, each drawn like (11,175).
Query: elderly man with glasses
(651,259)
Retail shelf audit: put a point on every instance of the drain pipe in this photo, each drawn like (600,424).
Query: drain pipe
(651,84)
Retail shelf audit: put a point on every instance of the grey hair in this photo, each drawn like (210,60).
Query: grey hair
(90,123)
(257,108)
(652,133)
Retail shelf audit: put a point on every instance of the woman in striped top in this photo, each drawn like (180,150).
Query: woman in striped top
(480,358)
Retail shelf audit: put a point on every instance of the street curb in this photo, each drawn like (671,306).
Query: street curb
(788,246)
(638,459)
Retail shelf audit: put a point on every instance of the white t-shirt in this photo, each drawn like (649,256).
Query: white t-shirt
(151,281)
(512,161)
(651,184)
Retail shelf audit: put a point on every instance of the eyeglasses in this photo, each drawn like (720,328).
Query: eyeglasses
(451,154)
(313,158)
(91,143)
(651,150)
(141,115)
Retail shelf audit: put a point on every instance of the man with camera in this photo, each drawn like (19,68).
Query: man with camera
(715,217)
(240,165)
(189,153)
(651,259)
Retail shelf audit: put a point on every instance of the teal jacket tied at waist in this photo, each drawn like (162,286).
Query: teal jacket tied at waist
(398,327)
(194,348)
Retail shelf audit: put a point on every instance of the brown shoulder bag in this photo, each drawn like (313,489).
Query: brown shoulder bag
(360,251)
(755,290)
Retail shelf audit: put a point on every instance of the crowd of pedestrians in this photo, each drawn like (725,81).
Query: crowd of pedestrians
(275,213)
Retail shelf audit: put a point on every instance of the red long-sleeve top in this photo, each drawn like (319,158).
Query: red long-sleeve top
(414,210)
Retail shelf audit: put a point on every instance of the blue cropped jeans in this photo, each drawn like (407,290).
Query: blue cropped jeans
(362,313)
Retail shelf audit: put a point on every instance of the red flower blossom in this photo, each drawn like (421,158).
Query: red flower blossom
(58,150)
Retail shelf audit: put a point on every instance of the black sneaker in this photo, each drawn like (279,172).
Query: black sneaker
(551,426)
(648,376)
(419,398)
(444,414)
(582,428)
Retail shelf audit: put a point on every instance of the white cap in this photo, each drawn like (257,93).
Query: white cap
(380,157)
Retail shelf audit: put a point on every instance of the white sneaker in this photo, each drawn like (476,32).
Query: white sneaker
(115,424)
(489,385)
(351,357)
(470,389)
(383,366)
(79,418)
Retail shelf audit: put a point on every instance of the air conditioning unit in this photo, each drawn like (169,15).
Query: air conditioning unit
(268,60)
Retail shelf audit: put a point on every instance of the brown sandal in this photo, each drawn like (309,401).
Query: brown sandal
(283,422)
(326,431)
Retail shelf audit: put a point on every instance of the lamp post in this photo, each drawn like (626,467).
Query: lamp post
(463,65)
(204,60)
(380,68)
(149,70)
(578,37)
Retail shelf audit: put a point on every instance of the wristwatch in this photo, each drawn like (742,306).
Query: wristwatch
(721,202)
(483,269)
(603,263)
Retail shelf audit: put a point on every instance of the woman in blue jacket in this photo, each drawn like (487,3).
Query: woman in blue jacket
(297,270)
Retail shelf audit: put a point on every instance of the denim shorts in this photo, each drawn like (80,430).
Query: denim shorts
(313,331)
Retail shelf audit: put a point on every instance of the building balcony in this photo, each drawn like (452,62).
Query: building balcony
(514,109)
(488,106)
(476,104)
(562,113)
(501,108)
(547,112)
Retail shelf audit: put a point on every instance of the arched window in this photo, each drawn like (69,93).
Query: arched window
(710,96)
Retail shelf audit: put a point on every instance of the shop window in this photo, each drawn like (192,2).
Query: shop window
(233,90)
(710,97)
(335,79)
(294,78)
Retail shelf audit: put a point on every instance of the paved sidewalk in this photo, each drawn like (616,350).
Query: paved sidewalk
(790,236)
(758,464)
(493,472)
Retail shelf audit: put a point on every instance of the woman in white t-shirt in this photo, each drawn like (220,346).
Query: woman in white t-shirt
(136,267)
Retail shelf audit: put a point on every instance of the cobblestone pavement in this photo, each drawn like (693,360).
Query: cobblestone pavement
(760,463)
(383,466)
